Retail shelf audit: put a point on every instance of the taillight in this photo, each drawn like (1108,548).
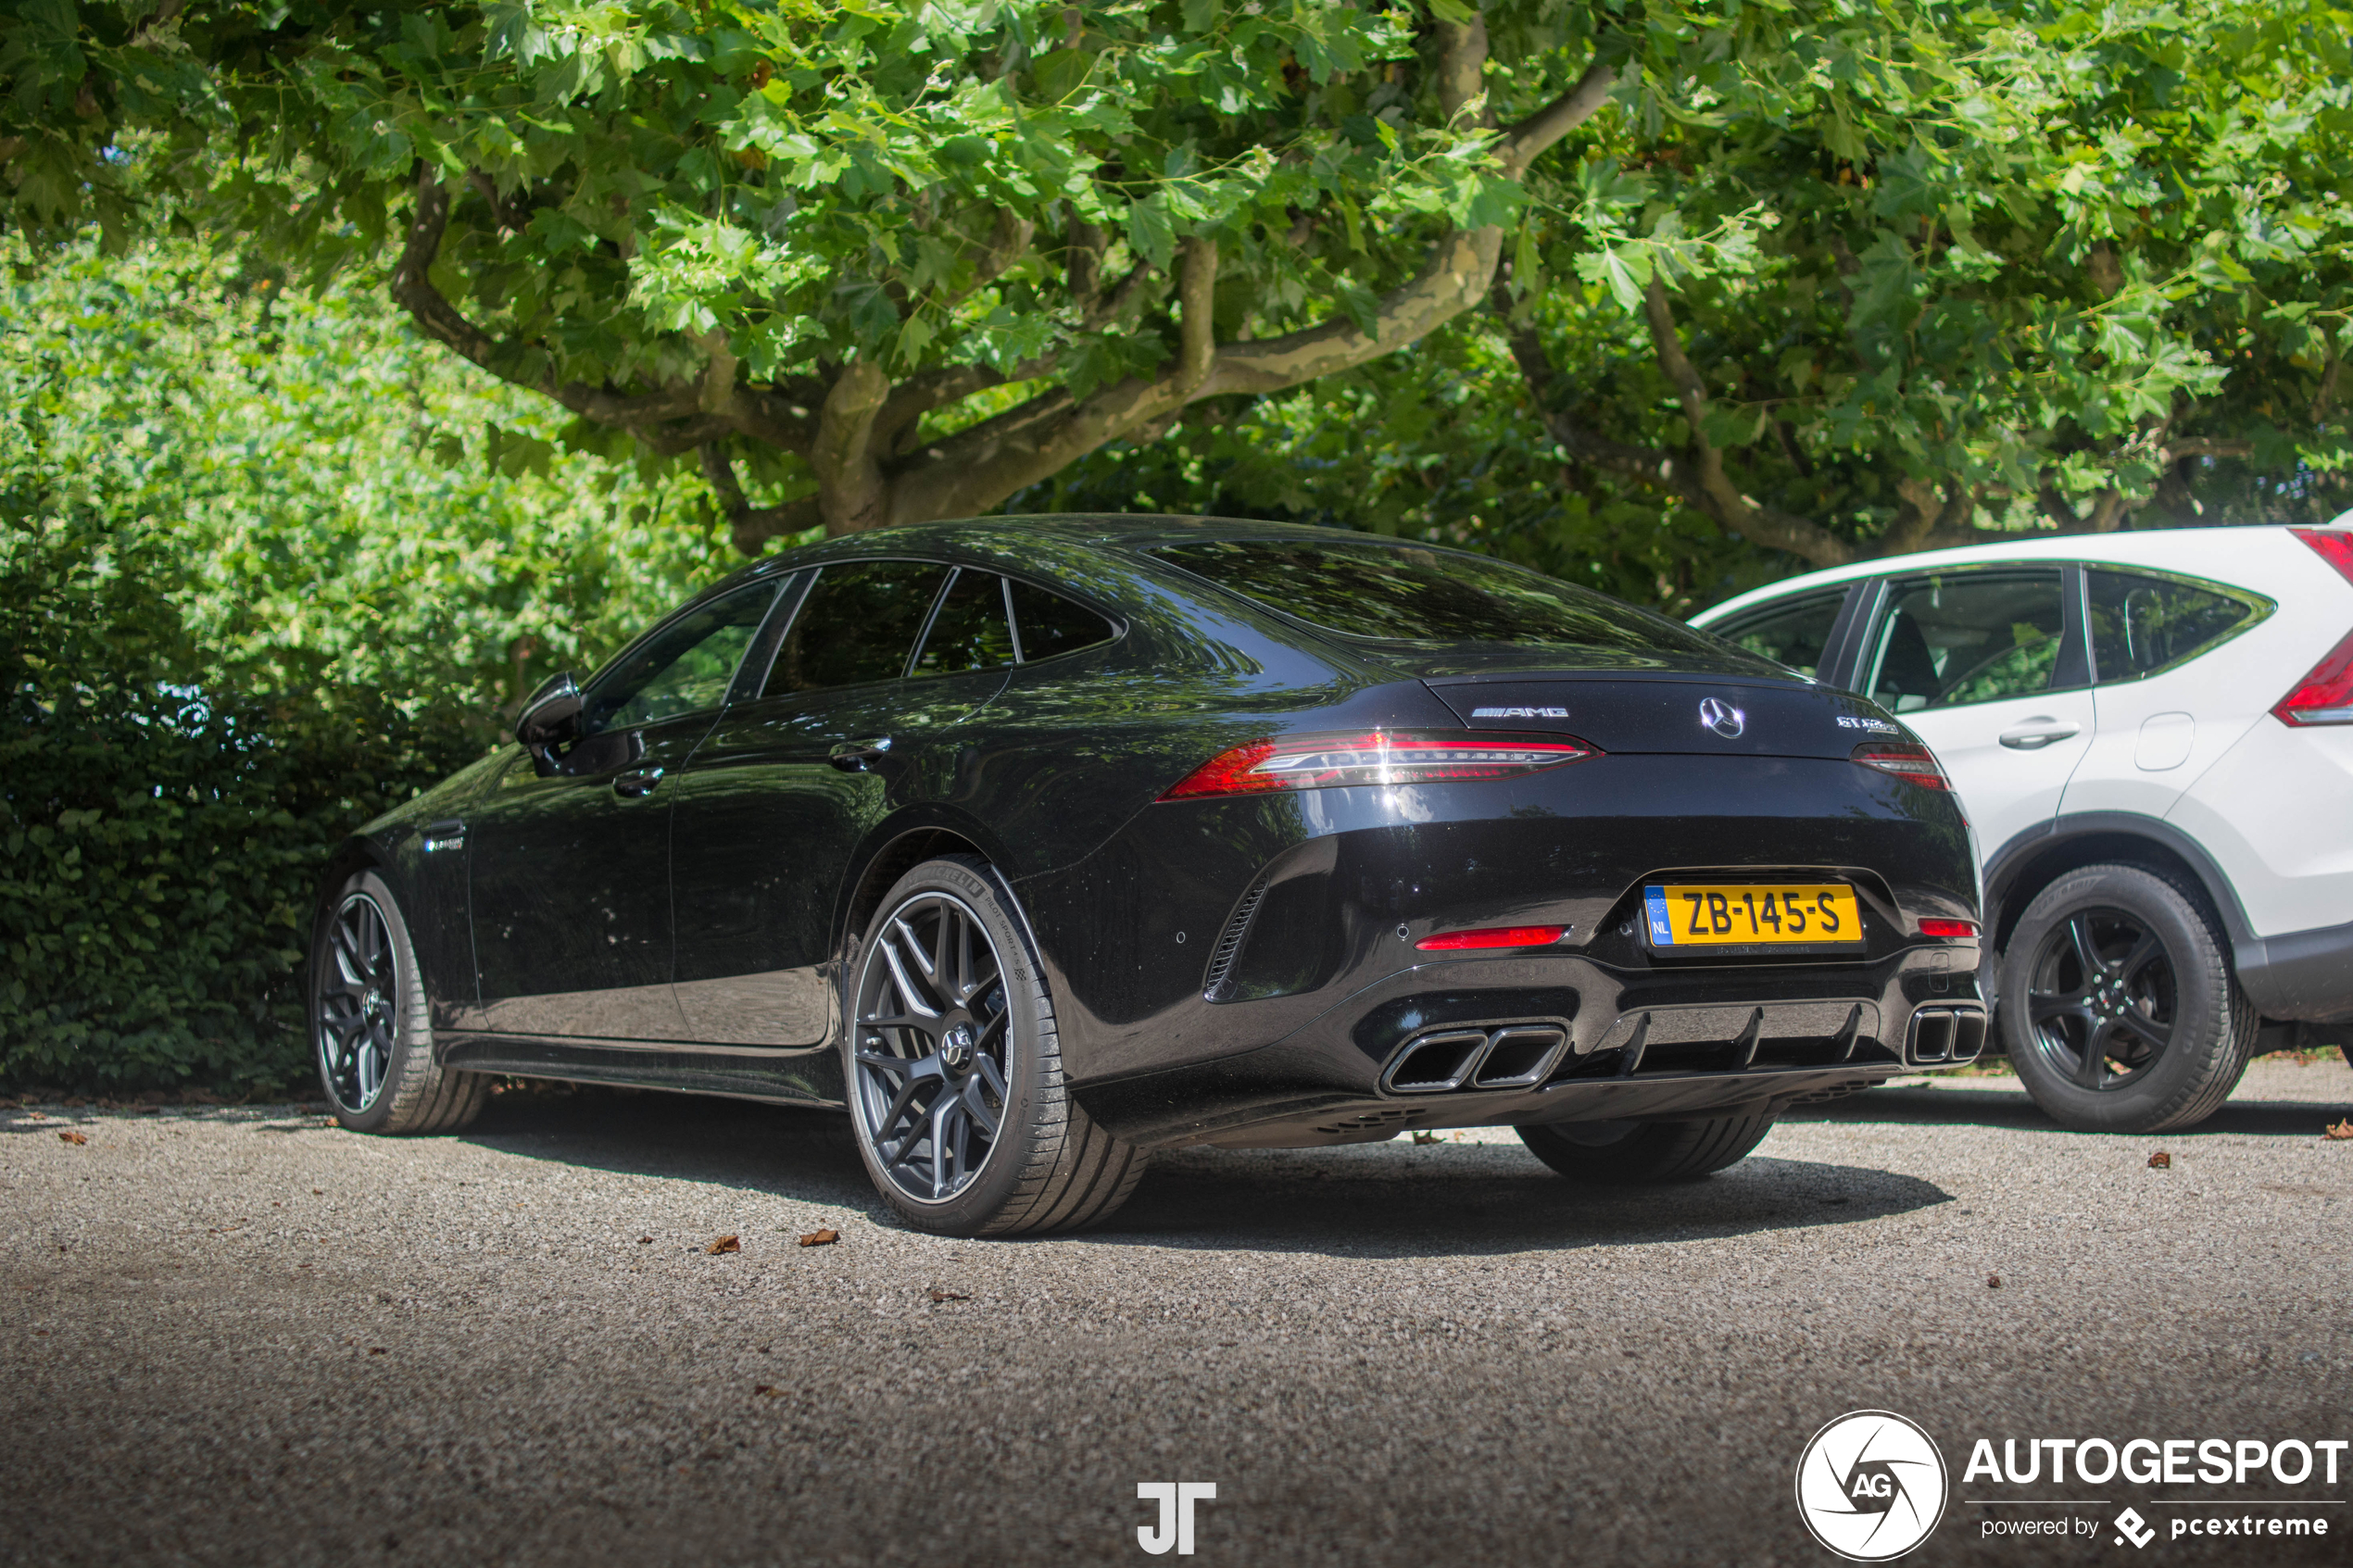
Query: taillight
(1955,930)
(2325,695)
(1324,761)
(1913,764)
(1492,936)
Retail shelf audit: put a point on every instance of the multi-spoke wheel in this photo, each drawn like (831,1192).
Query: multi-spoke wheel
(370,1030)
(954,1067)
(932,1047)
(2120,1011)
(356,994)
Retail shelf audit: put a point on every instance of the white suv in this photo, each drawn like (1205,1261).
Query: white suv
(2152,736)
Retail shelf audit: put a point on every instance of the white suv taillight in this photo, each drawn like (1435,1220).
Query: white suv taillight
(2325,695)
(1382,758)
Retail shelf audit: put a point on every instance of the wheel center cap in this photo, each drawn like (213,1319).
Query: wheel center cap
(372,1004)
(956,1047)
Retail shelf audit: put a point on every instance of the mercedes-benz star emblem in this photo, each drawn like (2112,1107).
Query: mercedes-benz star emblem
(1722,717)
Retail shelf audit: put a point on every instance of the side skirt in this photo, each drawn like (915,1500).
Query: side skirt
(808,1076)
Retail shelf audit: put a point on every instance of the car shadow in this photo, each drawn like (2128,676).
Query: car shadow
(1371,1200)
(1999,1107)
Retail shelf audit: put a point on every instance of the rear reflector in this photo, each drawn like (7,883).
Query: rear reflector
(1324,761)
(1958,929)
(2325,695)
(1492,936)
(1913,764)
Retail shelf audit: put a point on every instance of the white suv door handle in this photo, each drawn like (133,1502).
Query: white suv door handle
(2038,733)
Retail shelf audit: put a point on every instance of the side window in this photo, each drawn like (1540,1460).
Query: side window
(1966,637)
(684,667)
(858,624)
(2145,623)
(1795,632)
(971,631)
(1047,625)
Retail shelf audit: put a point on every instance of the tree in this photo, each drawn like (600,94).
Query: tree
(888,263)
(2037,268)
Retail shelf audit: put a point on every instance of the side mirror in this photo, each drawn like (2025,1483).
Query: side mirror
(552,715)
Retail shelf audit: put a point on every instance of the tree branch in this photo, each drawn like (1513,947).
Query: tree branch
(1759,525)
(977,468)
(749,527)
(645,416)
(2208,446)
(1532,136)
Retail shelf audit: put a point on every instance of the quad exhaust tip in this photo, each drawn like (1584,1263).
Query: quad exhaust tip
(1514,1056)
(1946,1037)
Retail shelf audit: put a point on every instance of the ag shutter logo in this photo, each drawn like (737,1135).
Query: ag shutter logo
(1870,1485)
(2131,1527)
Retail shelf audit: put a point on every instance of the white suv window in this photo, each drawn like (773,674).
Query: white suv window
(1962,637)
(1794,633)
(2141,624)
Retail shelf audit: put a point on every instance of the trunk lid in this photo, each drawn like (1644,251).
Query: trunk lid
(1634,712)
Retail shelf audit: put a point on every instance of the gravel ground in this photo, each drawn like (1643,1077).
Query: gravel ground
(244,1336)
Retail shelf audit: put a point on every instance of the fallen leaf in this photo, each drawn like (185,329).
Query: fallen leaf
(2160,1161)
(318,1192)
(71,1137)
(769,1389)
(724,1243)
(2342,1130)
(821,1238)
(375,1349)
(1992,1282)
(645,1241)
(940,1295)
(1427,1138)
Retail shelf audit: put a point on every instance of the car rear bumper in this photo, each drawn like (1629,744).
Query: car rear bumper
(2305,976)
(1526,1039)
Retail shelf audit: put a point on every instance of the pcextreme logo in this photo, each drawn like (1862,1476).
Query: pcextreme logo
(1870,1485)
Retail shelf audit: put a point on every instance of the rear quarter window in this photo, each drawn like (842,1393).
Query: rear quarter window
(2141,624)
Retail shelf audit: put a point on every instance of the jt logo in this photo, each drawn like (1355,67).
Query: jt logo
(1176,1499)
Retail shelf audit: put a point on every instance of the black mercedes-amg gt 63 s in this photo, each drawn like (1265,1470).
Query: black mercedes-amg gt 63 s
(1038,844)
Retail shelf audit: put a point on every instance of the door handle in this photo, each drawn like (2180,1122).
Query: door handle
(637,783)
(447,834)
(853,758)
(2038,733)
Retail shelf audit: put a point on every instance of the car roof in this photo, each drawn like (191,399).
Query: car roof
(2200,551)
(1010,542)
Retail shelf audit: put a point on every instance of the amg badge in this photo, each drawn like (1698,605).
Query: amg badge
(1519,713)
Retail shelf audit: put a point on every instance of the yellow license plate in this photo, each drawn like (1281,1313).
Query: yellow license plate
(1762,914)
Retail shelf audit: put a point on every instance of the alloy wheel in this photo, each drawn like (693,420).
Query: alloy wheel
(932,1056)
(2101,1002)
(357,1005)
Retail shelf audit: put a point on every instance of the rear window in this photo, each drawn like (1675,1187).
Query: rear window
(1404,594)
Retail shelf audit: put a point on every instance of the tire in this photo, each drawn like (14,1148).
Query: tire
(939,1037)
(371,1028)
(2119,1013)
(1644,1153)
